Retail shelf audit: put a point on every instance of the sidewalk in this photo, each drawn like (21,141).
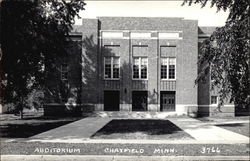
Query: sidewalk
(73,142)
(208,132)
(81,131)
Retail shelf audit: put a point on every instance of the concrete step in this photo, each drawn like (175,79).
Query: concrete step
(134,115)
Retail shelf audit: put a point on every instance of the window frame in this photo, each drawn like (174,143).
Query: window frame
(168,59)
(112,67)
(161,68)
(140,64)
(217,100)
(64,71)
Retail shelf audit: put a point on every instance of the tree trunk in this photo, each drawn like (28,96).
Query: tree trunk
(21,113)
(21,108)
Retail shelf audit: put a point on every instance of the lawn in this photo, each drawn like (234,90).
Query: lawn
(33,123)
(239,125)
(240,128)
(140,129)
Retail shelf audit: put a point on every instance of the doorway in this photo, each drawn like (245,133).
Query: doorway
(111,100)
(139,101)
(167,101)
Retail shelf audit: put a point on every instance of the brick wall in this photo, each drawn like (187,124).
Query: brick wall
(89,60)
(58,90)
(185,51)
(88,68)
(187,65)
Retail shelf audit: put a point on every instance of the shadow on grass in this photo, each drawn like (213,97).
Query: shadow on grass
(31,126)
(242,113)
(240,128)
(126,128)
(230,125)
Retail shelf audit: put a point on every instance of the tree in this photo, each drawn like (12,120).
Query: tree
(33,34)
(227,52)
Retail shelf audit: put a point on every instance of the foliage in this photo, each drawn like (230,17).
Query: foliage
(33,34)
(9,108)
(238,9)
(35,99)
(227,52)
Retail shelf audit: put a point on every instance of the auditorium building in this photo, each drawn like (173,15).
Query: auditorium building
(134,64)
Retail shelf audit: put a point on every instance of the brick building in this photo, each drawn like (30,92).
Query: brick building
(134,64)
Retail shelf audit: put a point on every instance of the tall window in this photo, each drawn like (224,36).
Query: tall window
(111,67)
(164,68)
(64,72)
(168,68)
(140,68)
(171,68)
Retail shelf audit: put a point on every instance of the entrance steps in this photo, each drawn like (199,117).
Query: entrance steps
(130,114)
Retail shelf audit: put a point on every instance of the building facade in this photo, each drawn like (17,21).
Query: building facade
(134,64)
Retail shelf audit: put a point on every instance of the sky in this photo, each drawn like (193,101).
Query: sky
(169,8)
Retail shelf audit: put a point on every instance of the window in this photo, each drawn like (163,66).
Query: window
(171,68)
(116,67)
(168,68)
(111,67)
(140,68)
(214,99)
(64,72)
(144,68)
(107,67)
(164,68)
(136,64)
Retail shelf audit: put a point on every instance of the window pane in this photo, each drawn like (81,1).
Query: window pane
(136,67)
(144,73)
(144,61)
(116,60)
(136,61)
(164,61)
(107,71)
(135,71)
(171,72)
(116,73)
(64,71)
(164,68)
(172,62)
(144,66)
(107,60)
(107,66)
(115,67)
(213,99)
(64,67)
(64,76)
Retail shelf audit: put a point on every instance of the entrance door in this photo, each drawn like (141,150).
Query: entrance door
(111,100)
(167,101)
(139,101)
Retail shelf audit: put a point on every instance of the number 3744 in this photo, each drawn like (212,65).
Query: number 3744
(208,150)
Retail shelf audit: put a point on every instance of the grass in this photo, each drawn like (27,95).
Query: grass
(238,127)
(33,123)
(140,129)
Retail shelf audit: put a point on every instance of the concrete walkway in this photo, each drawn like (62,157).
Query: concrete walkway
(206,132)
(81,131)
